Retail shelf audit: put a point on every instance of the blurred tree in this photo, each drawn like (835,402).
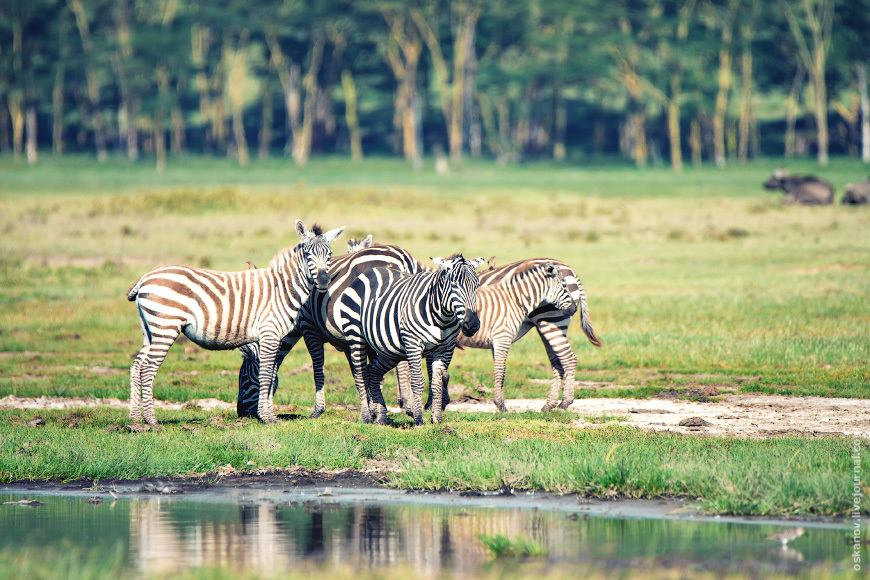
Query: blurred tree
(812,34)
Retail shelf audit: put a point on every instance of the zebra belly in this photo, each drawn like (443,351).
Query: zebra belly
(211,342)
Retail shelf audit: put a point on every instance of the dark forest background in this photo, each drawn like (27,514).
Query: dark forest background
(651,81)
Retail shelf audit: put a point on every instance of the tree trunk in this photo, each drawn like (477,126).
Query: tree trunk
(791,110)
(695,142)
(406,115)
(722,101)
(350,114)
(745,105)
(4,126)
(861,79)
(237,73)
(16,113)
(560,122)
(266,120)
(302,142)
(57,110)
(674,124)
(159,143)
(30,122)
(179,140)
(821,102)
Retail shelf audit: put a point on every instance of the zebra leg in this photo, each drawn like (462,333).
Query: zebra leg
(500,347)
(445,379)
(136,385)
(415,373)
(249,381)
(315,349)
(402,387)
(356,358)
(374,378)
(439,378)
(148,367)
(562,360)
(268,348)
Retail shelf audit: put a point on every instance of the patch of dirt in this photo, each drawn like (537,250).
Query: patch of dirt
(749,415)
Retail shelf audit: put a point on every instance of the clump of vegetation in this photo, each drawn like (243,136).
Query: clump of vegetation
(503,547)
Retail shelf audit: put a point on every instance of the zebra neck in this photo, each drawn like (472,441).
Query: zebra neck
(438,306)
(291,275)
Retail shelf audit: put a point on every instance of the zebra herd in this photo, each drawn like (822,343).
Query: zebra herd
(378,304)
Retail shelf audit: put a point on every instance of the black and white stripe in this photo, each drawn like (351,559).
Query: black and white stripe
(390,316)
(317,322)
(225,310)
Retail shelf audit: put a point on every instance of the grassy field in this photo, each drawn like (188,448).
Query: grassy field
(701,278)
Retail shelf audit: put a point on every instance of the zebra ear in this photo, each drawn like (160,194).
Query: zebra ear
(302,231)
(477,262)
(367,241)
(442,263)
(333,235)
(551,269)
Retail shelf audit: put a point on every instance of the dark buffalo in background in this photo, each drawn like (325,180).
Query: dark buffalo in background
(802,189)
(857,193)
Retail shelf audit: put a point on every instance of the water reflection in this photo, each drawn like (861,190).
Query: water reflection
(165,534)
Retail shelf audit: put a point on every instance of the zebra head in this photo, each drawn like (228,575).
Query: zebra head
(317,252)
(557,292)
(354,245)
(459,283)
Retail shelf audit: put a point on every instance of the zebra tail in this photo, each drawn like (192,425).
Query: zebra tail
(587,324)
(134,291)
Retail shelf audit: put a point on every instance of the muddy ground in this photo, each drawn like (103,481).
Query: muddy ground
(741,415)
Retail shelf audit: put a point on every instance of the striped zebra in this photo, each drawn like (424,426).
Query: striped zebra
(540,293)
(225,310)
(391,316)
(318,323)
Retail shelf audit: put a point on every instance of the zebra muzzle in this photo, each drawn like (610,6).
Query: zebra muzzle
(571,310)
(471,324)
(322,280)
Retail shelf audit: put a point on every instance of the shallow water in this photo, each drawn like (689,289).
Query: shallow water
(270,530)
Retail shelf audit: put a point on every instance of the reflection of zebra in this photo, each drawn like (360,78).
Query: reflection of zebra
(539,293)
(318,323)
(394,316)
(225,310)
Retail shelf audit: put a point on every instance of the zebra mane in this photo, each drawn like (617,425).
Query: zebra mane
(317,230)
(284,257)
(519,269)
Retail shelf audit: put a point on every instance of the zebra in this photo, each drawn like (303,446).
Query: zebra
(393,316)
(318,324)
(542,293)
(225,310)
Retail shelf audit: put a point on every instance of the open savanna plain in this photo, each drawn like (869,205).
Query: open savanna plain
(701,285)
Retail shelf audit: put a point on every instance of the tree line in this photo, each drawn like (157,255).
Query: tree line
(718,81)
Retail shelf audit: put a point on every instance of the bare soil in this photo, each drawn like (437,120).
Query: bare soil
(740,415)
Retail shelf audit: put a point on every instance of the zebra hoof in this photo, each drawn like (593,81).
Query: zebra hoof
(547,408)
(502,408)
(565,404)
(317,413)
